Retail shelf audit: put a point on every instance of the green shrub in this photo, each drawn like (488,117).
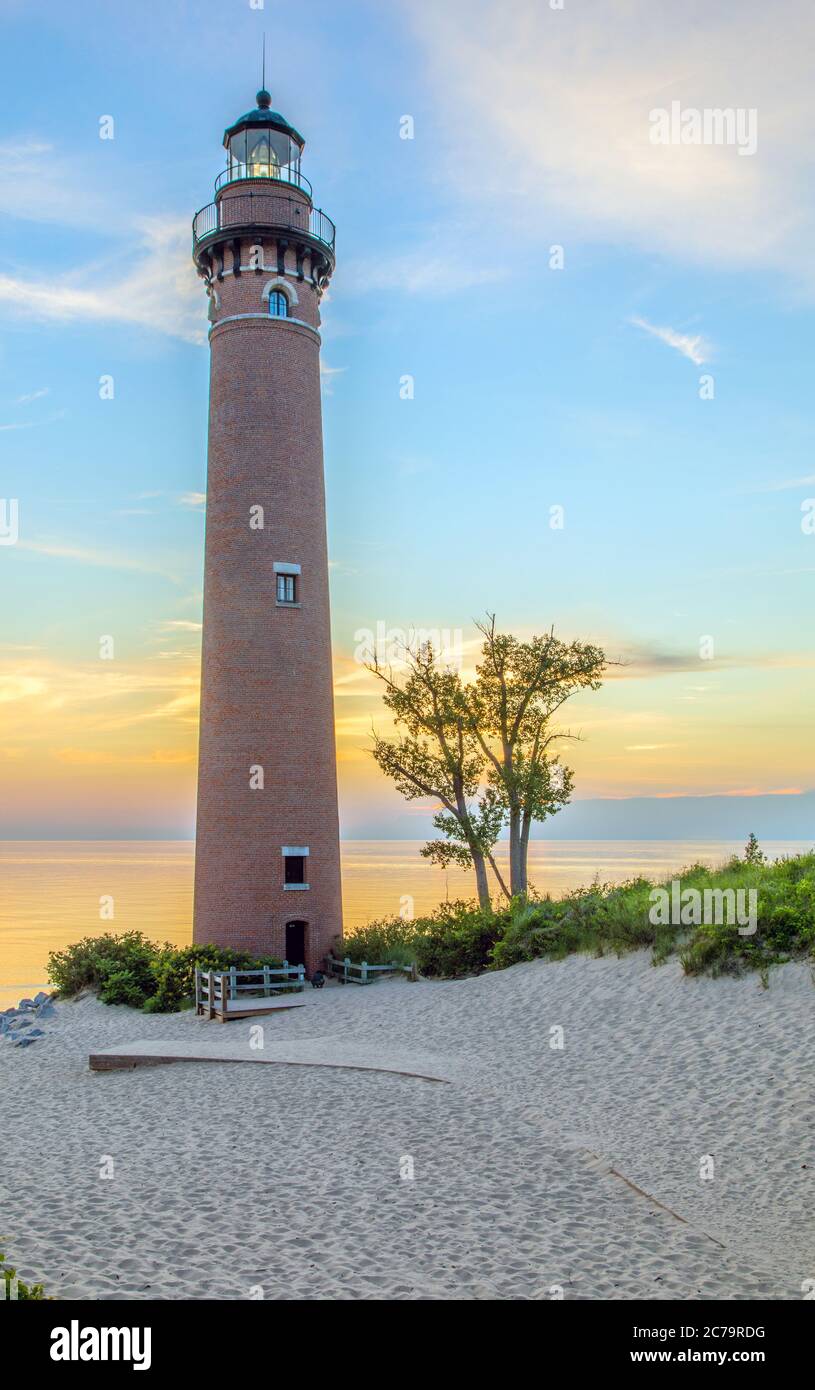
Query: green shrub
(599,919)
(88,963)
(121,987)
(129,969)
(379,943)
(604,918)
(174,972)
(456,939)
(459,939)
(24,1291)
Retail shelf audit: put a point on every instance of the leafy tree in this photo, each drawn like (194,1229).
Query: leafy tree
(485,750)
(753,853)
(436,756)
(519,687)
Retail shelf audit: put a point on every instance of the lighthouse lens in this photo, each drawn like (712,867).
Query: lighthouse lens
(263,163)
(264,154)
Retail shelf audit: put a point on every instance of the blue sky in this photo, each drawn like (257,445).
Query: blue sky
(534,387)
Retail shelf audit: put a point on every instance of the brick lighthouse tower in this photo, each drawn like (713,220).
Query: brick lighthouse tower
(267,862)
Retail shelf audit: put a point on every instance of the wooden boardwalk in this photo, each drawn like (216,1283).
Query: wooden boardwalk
(218,992)
(253,1004)
(309,1052)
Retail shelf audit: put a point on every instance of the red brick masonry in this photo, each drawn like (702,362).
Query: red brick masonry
(266,685)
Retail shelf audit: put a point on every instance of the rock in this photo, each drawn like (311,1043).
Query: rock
(26,1004)
(46,1010)
(36,1033)
(41,998)
(24,1042)
(20,1023)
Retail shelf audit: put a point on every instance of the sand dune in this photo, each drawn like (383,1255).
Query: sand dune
(287,1182)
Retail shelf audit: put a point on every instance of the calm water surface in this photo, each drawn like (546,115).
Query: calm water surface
(51,889)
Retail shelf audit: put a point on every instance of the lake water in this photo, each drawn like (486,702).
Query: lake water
(51,890)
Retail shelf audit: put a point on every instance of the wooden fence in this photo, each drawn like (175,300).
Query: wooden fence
(354,972)
(215,989)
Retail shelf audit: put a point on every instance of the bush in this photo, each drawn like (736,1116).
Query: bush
(456,939)
(121,987)
(599,919)
(24,1291)
(605,918)
(379,943)
(90,962)
(459,939)
(174,972)
(129,969)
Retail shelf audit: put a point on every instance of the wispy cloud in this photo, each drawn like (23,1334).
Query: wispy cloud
(693,346)
(784,485)
(116,560)
(327,375)
(563,142)
(160,292)
(33,396)
(40,183)
(419,272)
(99,697)
(645,659)
(194,500)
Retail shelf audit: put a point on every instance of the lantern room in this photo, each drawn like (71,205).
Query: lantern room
(262,145)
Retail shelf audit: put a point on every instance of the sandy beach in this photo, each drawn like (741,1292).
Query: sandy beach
(234,1181)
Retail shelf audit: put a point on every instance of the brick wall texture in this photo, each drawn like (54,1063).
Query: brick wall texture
(266,685)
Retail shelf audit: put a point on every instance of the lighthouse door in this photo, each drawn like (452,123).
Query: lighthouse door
(296,943)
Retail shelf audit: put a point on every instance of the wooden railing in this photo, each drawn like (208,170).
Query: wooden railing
(214,988)
(355,972)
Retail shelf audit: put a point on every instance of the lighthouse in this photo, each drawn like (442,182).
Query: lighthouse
(267,861)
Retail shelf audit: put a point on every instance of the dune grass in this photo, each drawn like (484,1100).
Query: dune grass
(603,919)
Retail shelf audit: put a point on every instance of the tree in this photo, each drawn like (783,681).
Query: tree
(486,750)
(753,853)
(519,686)
(438,757)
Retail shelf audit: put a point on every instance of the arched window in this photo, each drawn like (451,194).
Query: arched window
(278,305)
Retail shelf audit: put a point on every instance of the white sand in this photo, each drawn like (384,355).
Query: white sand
(229,1177)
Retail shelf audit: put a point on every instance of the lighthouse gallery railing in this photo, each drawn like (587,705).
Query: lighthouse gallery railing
(262,210)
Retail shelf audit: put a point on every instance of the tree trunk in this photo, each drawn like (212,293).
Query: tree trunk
(482,883)
(526,826)
(516,873)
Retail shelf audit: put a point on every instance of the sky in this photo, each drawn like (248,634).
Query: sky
(610,426)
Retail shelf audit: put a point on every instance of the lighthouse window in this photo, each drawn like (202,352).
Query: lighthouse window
(295,870)
(286,588)
(278,305)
